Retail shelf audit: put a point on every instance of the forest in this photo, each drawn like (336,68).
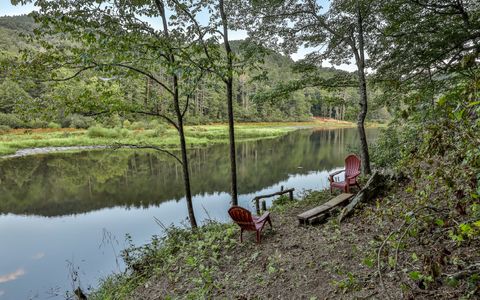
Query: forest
(65,103)
(178,112)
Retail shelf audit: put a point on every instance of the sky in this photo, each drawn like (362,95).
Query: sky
(7,9)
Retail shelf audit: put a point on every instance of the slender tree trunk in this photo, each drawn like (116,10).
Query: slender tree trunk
(183,147)
(229,84)
(361,123)
(181,132)
(362,90)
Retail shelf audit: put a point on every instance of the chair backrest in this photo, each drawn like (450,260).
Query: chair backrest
(242,217)
(352,164)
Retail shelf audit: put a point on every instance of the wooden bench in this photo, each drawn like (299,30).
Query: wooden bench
(311,214)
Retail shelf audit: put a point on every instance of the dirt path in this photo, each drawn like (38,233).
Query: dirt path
(292,262)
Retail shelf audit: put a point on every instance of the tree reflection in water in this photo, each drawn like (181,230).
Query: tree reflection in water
(71,183)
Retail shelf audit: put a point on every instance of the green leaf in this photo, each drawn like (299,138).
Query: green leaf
(391,261)
(369,262)
(473,103)
(415,275)
(271,269)
(414,257)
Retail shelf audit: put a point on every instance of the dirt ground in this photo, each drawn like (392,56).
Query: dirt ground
(327,261)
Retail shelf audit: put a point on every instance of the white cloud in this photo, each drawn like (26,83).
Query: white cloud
(38,256)
(12,276)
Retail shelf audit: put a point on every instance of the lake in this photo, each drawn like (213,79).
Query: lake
(64,216)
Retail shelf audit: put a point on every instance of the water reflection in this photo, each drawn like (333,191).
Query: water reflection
(63,184)
(92,199)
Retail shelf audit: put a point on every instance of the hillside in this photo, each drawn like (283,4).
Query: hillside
(52,101)
(10,30)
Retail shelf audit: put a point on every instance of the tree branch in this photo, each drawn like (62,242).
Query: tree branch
(70,77)
(143,73)
(133,146)
(169,120)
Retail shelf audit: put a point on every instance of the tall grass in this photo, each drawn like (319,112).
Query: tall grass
(112,133)
(197,136)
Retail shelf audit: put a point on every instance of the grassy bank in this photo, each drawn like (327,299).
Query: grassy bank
(388,248)
(167,137)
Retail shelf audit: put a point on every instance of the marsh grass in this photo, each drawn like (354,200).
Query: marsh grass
(197,136)
(12,141)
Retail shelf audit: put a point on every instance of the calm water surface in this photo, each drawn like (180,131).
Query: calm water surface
(65,216)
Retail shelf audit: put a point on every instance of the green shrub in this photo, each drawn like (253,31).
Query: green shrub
(160,129)
(11,121)
(4,129)
(38,124)
(101,132)
(155,124)
(156,129)
(155,132)
(113,121)
(77,121)
(53,125)
(137,125)
(127,124)
(394,144)
(194,120)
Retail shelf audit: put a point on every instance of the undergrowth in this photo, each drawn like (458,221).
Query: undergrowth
(433,249)
(189,258)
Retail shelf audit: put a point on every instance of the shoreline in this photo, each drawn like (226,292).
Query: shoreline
(26,142)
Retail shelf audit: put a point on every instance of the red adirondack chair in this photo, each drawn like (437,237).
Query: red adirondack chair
(352,170)
(247,221)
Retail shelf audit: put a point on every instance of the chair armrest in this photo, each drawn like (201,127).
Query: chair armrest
(353,175)
(263,217)
(330,176)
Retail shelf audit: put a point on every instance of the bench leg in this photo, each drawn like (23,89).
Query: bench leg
(241,235)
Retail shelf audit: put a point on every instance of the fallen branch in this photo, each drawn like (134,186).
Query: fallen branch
(379,262)
(468,271)
(399,242)
(371,188)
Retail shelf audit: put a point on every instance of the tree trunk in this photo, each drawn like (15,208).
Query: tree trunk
(362,91)
(361,125)
(374,184)
(183,148)
(181,132)
(229,84)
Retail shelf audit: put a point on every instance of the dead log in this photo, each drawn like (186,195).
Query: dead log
(374,185)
